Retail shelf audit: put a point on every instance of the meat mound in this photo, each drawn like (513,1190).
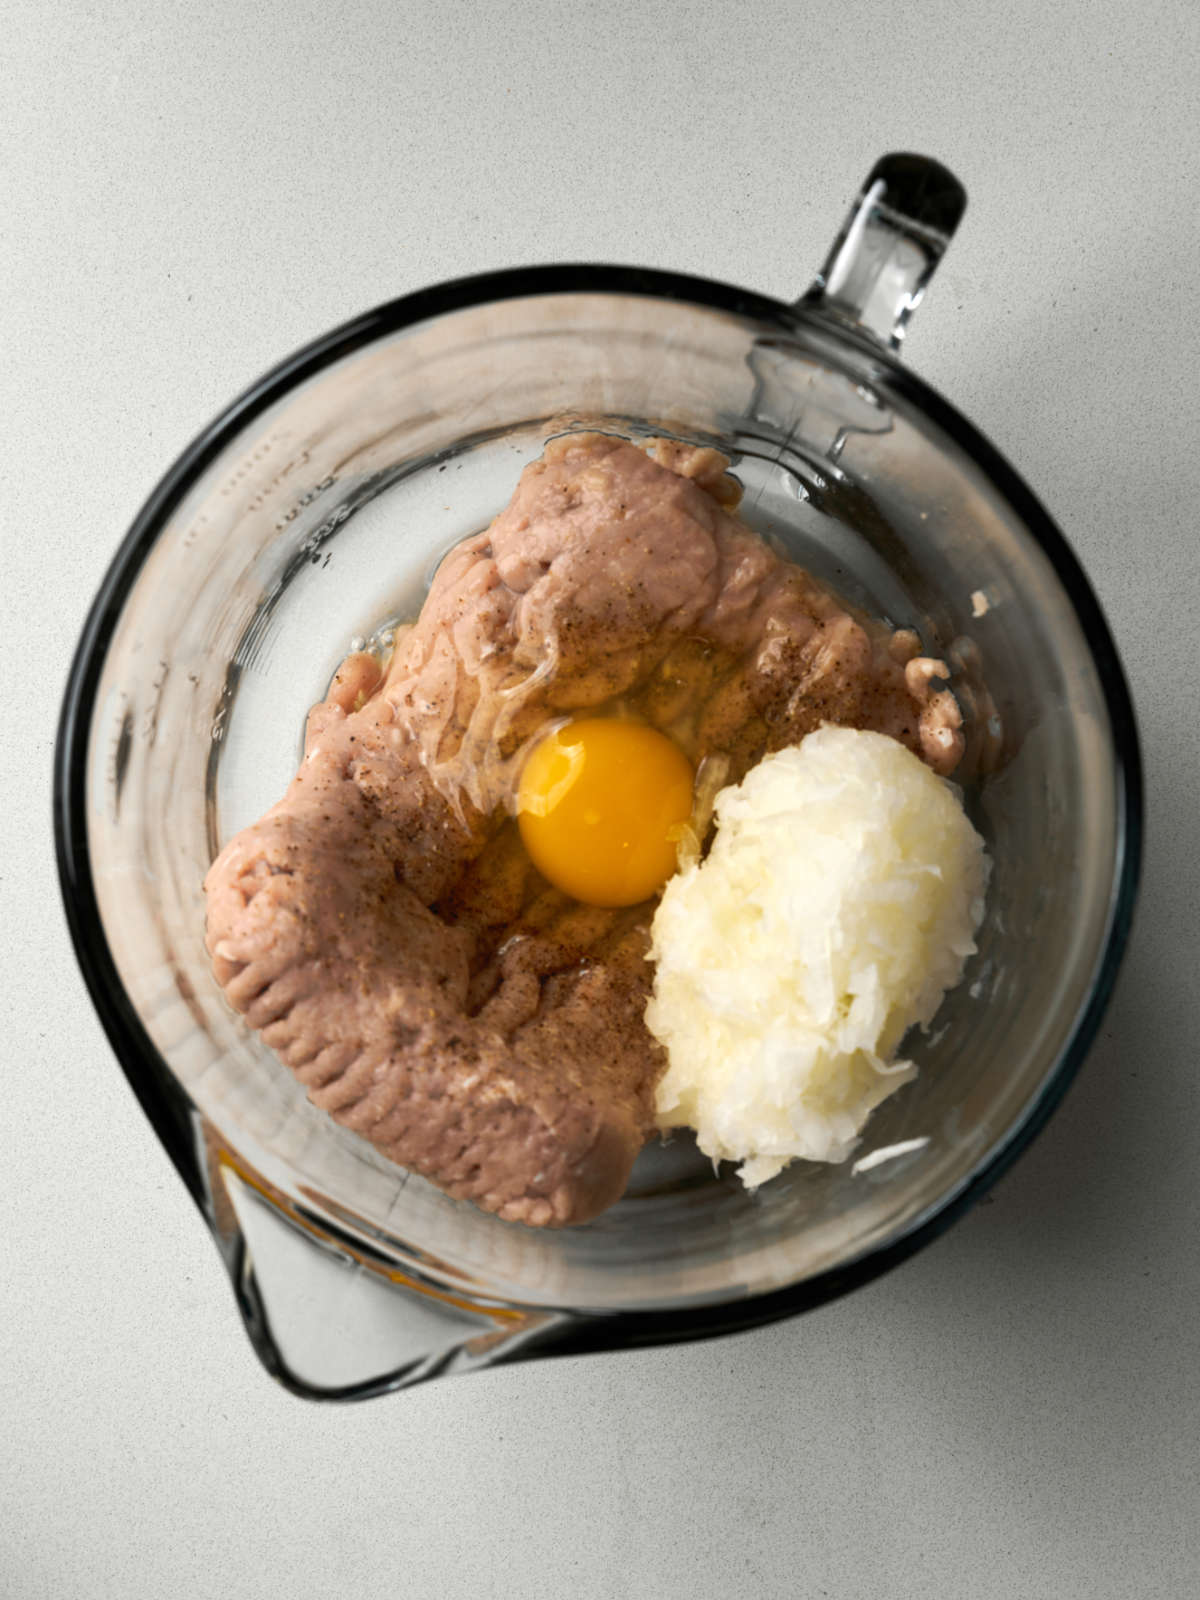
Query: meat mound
(382,926)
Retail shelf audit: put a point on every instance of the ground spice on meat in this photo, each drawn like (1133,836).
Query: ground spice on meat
(382,925)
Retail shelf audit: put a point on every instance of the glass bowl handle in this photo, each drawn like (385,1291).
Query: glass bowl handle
(889,247)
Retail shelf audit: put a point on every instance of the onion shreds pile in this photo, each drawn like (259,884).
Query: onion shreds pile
(838,904)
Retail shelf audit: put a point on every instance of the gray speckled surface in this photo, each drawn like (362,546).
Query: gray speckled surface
(190,191)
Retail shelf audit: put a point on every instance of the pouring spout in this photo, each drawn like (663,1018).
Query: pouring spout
(889,247)
(330,1323)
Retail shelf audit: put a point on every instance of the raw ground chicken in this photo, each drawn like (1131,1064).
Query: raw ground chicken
(382,925)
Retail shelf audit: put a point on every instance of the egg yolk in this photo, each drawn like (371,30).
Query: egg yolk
(599,808)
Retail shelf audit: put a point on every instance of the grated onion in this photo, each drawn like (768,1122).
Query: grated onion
(838,904)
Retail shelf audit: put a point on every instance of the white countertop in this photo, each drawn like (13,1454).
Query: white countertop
(191,191)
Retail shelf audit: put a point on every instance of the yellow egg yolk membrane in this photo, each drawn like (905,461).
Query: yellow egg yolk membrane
(600,807)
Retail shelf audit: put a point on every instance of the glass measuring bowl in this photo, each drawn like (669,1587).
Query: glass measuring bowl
(316,507)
